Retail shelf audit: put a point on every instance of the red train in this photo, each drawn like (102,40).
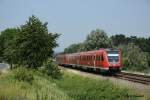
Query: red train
(108,60)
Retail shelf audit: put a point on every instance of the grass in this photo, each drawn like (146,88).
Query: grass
(70,87)
(40,89)
(81,88)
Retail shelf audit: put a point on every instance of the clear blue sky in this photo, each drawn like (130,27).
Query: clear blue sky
(74,19)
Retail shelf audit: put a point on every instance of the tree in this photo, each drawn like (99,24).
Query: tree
(6,40)
(97,39)
(134,58)
(34,45)
(73,48)
(118,39)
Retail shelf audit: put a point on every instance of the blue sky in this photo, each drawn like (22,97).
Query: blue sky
(74,19)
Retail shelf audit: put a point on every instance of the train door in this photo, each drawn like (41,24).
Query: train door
(101,58)
(97,60)
(94,60)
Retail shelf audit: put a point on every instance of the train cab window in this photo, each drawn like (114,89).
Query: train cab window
(113,56)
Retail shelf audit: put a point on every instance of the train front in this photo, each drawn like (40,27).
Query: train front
(114,60)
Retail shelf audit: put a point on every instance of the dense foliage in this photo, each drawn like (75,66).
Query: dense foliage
(51,69)
(29,45)
(134,58)
(23,74)
(95,40)
(135,50)
(6,43)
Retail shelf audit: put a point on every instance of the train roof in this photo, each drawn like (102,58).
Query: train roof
(89,52)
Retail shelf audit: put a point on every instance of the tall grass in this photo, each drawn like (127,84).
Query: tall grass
(81,88)
(41,89)
(70,87)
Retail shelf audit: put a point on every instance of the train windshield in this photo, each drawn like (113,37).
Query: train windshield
(113,56)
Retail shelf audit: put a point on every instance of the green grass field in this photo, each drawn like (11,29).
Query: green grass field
(69,87)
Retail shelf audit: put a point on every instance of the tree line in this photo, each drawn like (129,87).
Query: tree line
(135,50)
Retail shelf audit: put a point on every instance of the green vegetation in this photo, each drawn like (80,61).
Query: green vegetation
(51,69)
(29,45)
(40,88)
(95,40)
(135,50)
(81,88)
(134,59)
(70,87)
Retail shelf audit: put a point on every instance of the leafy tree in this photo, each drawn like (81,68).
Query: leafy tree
(143,43)
(33,44)
(6,40)
(134,58)
(97,39)
(118,39)
(73,48)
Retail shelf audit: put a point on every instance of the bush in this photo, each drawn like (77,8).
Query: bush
(133,58)
(51,69)
(23,74)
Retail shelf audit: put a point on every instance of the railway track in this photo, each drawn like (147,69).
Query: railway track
(144,79)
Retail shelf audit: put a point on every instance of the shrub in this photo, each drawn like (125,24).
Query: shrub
(23,74)
(133,58)
(51,69)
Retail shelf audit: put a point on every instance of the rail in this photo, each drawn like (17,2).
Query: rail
(144,79)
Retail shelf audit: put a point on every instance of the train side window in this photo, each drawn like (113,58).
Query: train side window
(96,57)
(102,58)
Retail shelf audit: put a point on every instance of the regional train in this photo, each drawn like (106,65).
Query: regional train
(103,60)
